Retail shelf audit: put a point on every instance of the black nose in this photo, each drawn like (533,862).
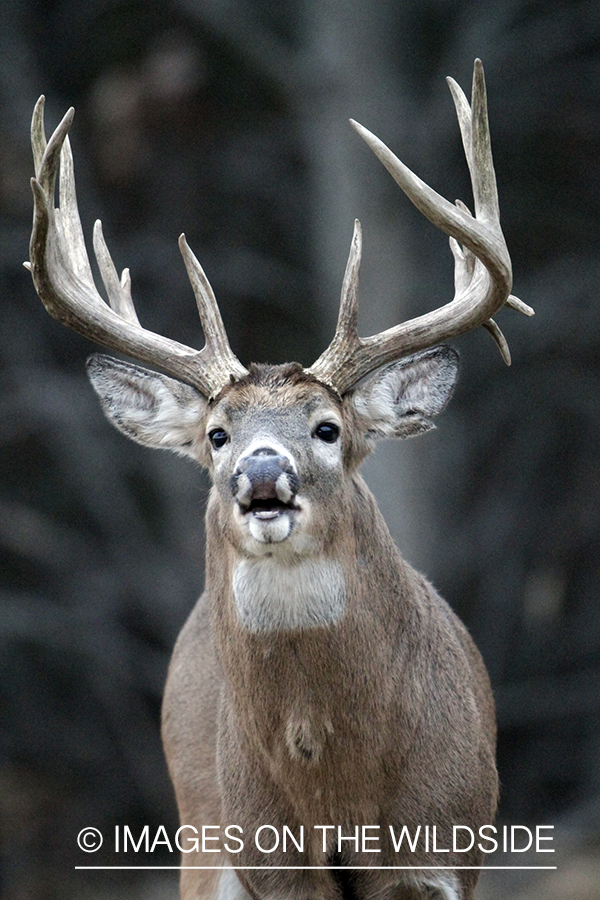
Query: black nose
(264,475)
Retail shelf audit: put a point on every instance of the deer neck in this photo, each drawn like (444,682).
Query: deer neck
(287,674)
(270,595)
(277,595)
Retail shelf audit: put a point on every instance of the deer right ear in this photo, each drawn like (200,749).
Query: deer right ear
(401,400)
(148,407)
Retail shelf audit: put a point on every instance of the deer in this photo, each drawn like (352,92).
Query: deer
(320,685)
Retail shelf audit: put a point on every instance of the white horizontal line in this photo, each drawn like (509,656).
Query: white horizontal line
(361,868)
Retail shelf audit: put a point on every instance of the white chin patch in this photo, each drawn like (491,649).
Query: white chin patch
(269,526)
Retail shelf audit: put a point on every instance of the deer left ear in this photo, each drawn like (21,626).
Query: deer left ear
(401,400)
(148,407)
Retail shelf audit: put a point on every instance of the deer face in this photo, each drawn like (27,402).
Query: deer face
(280,446)
(277,459)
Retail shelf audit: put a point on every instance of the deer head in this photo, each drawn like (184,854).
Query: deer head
(257,430)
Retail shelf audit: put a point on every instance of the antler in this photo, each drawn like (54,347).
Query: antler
(483,275)
(63,278)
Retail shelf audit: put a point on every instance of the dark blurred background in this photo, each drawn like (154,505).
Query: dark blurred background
(228,119)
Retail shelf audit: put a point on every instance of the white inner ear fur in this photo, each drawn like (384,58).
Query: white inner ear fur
(148,407)
(401,399)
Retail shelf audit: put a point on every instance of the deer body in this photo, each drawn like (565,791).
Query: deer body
(320,682)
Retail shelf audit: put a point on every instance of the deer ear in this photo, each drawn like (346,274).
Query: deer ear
(401,400)
(150,408)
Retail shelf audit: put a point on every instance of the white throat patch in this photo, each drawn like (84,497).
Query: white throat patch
(271,596)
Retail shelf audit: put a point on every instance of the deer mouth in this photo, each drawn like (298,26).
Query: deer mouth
(266,508)
(269,515)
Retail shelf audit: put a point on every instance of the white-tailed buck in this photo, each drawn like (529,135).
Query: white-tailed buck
(320,681)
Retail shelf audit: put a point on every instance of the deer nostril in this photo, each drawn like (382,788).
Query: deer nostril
(248,462)
(265,468)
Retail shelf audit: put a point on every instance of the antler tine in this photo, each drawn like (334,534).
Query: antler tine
(118,290)
(475,133)
(492,327)
(217,352)
(340,351)
(68,216)
(38,135)
(63,277)
(483,275)
(521,307)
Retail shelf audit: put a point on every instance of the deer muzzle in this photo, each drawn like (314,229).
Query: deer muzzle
(265,484)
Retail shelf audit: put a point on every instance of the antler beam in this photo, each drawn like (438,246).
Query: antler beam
(483,275)
(63,278)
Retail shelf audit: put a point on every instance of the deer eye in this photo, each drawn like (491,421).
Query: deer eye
(328,432)
(218,438)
